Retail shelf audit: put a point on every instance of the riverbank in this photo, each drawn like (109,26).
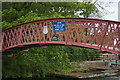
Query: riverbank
(95,69)
(87,70)
(87,75)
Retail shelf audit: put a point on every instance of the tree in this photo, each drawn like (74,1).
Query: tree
(38,62)
(16,12)
(45,9)
(86,9)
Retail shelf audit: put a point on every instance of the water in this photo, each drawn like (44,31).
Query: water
(59,78)
(109,78)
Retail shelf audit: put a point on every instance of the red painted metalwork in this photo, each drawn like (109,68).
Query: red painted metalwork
(103,35)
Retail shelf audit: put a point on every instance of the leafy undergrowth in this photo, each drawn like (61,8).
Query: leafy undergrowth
(39,62)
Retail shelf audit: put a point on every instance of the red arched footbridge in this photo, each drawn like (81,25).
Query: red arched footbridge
(103,35)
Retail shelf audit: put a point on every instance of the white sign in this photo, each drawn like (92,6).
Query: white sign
(45,30)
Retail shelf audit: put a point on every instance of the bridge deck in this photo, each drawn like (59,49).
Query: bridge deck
(103,35)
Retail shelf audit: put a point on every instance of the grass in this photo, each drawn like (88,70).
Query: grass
(74,68)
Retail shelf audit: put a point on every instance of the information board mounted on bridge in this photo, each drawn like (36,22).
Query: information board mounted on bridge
(55,37)
(59,26)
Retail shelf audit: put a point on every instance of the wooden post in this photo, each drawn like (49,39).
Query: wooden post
(116,60)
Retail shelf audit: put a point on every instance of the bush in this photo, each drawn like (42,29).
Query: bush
(38,62)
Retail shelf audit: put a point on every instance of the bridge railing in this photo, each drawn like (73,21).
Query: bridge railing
(93,33)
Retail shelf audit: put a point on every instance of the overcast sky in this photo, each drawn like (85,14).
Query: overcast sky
(112,12)
(111,8)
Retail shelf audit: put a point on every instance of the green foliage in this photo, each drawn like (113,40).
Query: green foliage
(87,9)
(36,63)
(9,15)
(14,13)
(28,17)
(80,54)
(5,25)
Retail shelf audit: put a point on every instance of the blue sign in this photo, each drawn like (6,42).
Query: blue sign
(59,26)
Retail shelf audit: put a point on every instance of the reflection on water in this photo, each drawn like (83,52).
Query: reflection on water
(47,78)
(58,78)
(109,78)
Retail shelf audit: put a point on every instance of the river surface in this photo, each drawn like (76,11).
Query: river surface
(109,78)
(58,78)
(105,78)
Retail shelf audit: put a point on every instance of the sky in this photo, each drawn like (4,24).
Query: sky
(111,9)
(112,13)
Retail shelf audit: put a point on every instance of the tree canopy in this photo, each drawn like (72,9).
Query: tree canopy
(14,13)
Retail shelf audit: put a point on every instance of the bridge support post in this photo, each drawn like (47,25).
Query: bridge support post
(104,35)
(20,35)
(118,59)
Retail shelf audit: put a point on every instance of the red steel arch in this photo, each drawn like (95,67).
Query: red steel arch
(103,35)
